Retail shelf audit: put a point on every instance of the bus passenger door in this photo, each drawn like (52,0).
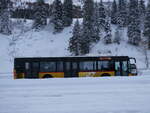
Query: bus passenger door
(121,68)
(124,68)
(71,69)
(74,69)
(67,70)
(31,69)
(117,68)
(35,69)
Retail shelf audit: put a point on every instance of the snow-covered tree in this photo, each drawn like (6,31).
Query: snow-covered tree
(96,25)
(56,16)
(117,36)
(147,25)
(122,13)
(74,43)
(87,34)
(114,12)
(133,10)
(142,11)
(102,15)
(5,22)
(40,15)
(134,32)
(67,12)
(142,8)
(108,35)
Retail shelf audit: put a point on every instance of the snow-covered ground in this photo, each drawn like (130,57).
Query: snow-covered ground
(76,95)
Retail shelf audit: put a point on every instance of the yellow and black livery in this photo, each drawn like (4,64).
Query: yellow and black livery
(61,67)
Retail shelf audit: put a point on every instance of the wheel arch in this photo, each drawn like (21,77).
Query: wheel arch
(47,76)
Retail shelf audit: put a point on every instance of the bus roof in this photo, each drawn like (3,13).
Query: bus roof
(75,58)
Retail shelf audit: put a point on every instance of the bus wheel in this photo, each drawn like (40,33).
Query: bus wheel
(105,75)
(48,76)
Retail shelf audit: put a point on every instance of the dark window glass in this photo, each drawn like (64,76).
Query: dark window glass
(60,66)
(74,65)
(87,65)
(35,65)
(68,66)
(20,67)
(105,65)
(48,66)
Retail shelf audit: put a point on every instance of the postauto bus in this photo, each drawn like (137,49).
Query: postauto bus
(60,67)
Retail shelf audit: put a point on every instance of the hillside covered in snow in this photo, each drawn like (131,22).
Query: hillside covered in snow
(98,34)
(29,43)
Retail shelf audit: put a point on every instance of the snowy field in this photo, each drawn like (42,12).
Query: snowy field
(76,95)
(69,95)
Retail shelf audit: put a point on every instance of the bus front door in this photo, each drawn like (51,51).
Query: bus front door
(35,69)
(71,69)
(31,69)
(121,68)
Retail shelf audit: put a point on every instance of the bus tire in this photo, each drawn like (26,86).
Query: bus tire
(105,75)
(47,76)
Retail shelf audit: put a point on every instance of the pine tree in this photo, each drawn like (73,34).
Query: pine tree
(147,25)
(108,35)
(134,32)
(133,10)
(96,26)
(40,15)
(142,11)
(122,13)
(87,34)
(56,17)
(74,43)
(114,11)
(102,15)
(67,13)
(5,23)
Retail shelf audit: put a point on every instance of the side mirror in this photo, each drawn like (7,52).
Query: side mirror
(132,59)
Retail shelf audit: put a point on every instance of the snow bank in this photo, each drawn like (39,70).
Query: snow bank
(76,95)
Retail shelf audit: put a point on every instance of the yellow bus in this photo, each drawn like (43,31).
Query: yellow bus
(61,67)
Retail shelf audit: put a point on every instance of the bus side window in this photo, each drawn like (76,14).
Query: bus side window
(74,66)
(60,66)
(103,65)
(48,66)
(88,65)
